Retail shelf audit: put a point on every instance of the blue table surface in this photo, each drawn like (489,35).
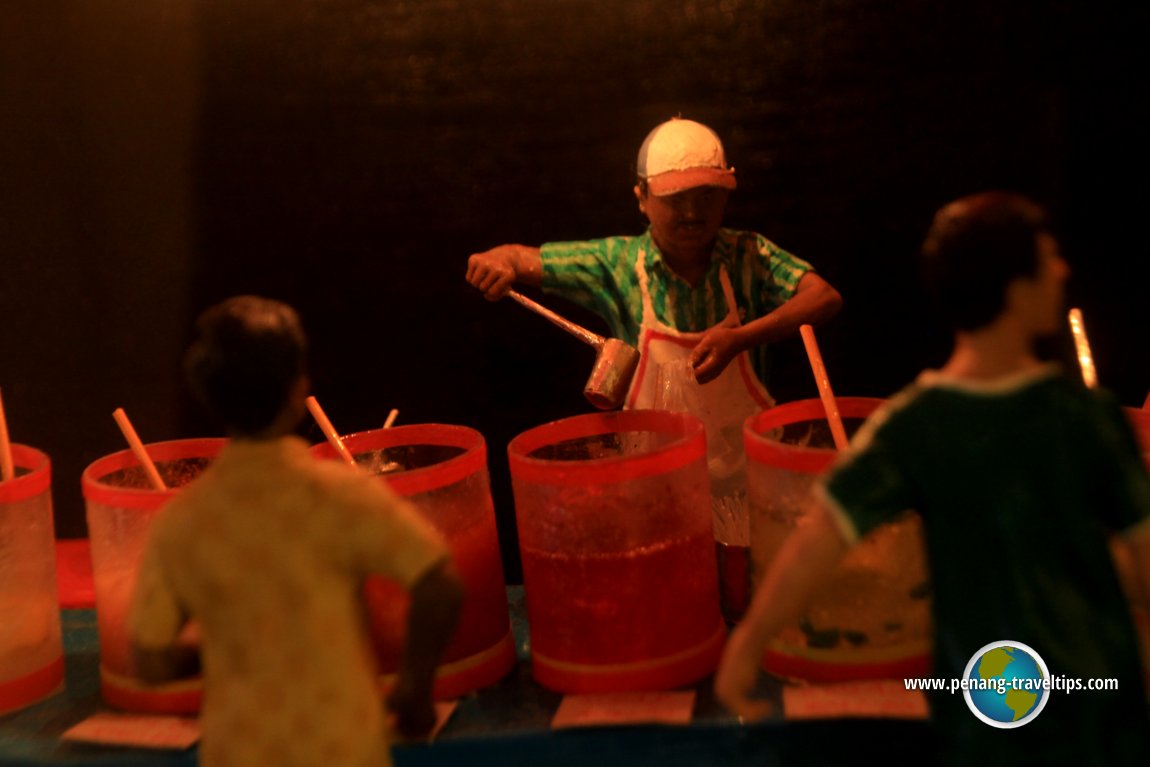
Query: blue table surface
(505,724)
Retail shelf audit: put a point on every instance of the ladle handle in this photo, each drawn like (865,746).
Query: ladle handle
(583,334)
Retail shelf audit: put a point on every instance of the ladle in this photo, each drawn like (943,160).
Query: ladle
(615,361)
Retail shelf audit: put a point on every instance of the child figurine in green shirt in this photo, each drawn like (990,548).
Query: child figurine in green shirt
(1020,474)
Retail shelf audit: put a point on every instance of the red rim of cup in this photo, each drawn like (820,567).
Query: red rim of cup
(36,481)
(144,498)
(811,460)
(690,445)
(424,478)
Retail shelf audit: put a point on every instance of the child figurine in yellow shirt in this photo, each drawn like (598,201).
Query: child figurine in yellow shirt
(267,550)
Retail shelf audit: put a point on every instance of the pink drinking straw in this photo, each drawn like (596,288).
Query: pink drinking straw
(390,418)
(828,397)
(138,448)
(329,430)
(1082,348)
(7,468)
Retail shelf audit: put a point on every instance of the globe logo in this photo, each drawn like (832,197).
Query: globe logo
(1006,684)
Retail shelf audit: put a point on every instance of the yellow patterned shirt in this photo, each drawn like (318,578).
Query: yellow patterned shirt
(267,550)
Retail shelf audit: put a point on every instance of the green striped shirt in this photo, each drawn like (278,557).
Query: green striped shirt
(600,276)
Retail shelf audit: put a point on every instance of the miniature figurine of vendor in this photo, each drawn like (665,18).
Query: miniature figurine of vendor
(1019,472)
(696,299)
(267,551)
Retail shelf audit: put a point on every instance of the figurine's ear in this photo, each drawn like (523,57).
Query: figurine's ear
(297,394)
(641,198)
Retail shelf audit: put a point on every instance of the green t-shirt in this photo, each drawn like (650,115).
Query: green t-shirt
(599,275)
(1018,484)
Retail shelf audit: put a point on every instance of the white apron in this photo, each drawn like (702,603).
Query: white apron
(664,381)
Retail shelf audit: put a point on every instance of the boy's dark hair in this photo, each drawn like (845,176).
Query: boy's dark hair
(975,248)
(248,353)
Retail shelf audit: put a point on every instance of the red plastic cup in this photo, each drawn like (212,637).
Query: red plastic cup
(443,471)
(31,651)
(615,533)
(121,505)
(1139,600)
(872,620)
(1140,420)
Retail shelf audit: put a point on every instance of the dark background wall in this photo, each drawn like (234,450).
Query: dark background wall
(98,118)
(348,155)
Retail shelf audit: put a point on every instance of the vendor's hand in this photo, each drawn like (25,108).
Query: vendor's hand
(736,678)
(413,709)
(714,352)
(493,271)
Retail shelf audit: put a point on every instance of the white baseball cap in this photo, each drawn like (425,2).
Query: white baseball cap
(680,154)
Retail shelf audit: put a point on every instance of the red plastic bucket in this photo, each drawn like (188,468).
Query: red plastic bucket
(442,469)
(873,620)
(615,532)
(31,652)
(120,505)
